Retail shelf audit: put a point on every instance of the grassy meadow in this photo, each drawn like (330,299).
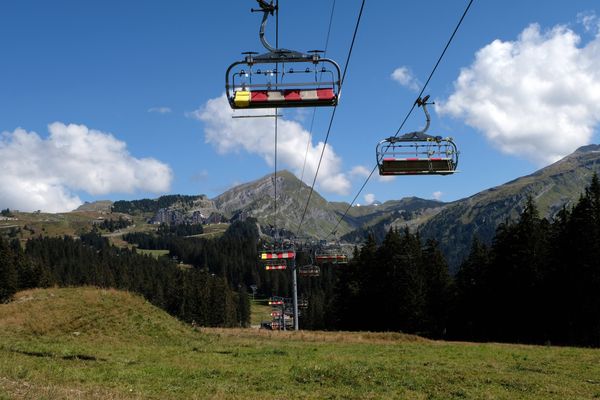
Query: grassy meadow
(87,343)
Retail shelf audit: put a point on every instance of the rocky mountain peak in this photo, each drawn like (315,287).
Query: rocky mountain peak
(590,148)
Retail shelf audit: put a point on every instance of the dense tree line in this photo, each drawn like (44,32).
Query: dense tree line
(112,225)
(233,256)
(152,205)
(180,229)
(537,283)
(161,239)
(401,285)
(189,294)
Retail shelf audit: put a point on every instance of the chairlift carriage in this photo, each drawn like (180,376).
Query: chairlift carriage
(309,270)
(281,78)
(330,253)
(417,153)
(276,301)
(275,265)
(277,254)
(303,303)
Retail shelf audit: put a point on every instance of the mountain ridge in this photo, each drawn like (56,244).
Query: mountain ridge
(552,187)
(452,224)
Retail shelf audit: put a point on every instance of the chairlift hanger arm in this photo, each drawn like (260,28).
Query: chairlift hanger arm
(420,135)
(266,9)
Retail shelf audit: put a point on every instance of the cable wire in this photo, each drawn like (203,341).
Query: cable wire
(312,121)
(276,119)
(409,112)
(332,115)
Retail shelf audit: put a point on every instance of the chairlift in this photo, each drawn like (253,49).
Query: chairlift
(277,254)
(276,301)
(330,253)
(275,325)
(309,270)
(281,78)
(417,153)
(275,265)
(303,303)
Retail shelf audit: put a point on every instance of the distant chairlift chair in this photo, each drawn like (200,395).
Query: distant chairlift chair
(417,153)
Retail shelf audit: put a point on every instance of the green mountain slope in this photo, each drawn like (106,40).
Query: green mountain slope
(256,199)
(552,188)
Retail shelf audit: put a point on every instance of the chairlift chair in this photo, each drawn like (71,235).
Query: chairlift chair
(275,325)
(329,257)
(309,270)
(303,303)
(277,255)
(281,78)
(330,253)
(276,301)
(275,265)
(417,153)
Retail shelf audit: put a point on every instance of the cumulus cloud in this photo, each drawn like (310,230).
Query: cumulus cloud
(42,174)
(369,198)
(359,171)
(255,135)
(537,97)
(437,195)
(159,110)
(404,76)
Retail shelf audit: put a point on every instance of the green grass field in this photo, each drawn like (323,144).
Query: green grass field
(86,343)
(260,311)
(212,231)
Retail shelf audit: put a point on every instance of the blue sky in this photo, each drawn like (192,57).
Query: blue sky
(123,100)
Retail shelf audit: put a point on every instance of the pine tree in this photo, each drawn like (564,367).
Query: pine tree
(8,272)
(438,297)
(470,314)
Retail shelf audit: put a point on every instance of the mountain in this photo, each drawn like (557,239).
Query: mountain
(452,224)
(97,206)
(255,199)
(553,187)
(408,212)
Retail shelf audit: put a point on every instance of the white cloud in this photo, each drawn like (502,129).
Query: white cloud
(41,174)
(536,97)
(159,110)
(256,136)
(437,195)
(590,21)
(386,178)
(404,76)
(359,171)
(369,198)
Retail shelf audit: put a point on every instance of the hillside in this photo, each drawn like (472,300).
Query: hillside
(88,343)
(255,199)
(88,314)
(452,224)
(552,188)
